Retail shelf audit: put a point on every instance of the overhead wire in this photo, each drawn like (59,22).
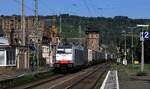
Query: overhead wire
(26,6)
(44,5)
(2,10)
(89,11)
(93,7)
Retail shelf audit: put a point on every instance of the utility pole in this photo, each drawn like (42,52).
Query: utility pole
(142,51)
(125,47)
(60,28)
(125,51)
(142,48)
(36,33)
(132,46)
(2,19)
(23,33)
(2,22)
(80,31)
(23,24)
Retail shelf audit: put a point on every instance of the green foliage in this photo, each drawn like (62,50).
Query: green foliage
(110,31)
(140,73)
(42,62)
(110,27)
(16,81)
(133,70)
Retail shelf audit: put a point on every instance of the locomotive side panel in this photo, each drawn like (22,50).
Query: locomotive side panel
(90,57)
(79,57)
(98,57)
(70,58)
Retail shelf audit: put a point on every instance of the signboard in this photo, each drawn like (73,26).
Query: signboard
(144,36)
(32,47)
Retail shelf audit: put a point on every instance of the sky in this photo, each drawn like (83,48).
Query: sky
(139,9)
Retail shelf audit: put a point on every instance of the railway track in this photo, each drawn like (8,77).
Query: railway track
(85,79)
(40,82)
(90,80)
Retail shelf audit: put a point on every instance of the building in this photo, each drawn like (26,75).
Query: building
(12,56)
(54,40)
(12,25)
(47,30)
(7,53)
(92,38)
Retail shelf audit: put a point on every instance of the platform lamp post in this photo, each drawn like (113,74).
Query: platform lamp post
(142,43)
(125,47)
(49,54)
(132,28)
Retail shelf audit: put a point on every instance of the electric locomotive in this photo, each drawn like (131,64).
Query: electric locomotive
(70,57)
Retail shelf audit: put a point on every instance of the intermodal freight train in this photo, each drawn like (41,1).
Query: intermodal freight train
(70,57)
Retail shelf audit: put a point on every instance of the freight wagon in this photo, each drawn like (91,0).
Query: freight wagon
(95,57)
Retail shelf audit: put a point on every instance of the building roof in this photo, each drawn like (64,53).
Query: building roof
(65,46)
(92,28)
(4,41)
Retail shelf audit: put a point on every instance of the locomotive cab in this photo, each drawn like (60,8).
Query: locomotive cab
(69,57)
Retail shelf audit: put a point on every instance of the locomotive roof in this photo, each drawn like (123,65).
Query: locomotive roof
(65,46)
(71,46)
(4,41)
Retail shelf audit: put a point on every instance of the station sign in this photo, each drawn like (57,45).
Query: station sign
(144,36)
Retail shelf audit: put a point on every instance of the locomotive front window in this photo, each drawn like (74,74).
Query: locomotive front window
(60,52)
(68,51)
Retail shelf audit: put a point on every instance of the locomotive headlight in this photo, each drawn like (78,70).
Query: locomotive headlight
(70,65)
(57,65)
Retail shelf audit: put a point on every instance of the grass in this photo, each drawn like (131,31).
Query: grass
(140,73)
(132,70)
(129,70)
(147,68)
(7,70)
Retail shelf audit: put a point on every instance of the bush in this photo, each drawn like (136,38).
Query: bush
(140,73)
(42,62)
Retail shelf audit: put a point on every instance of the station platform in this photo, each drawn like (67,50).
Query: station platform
(5,76)
(119,80)
(111,80)
(136,82)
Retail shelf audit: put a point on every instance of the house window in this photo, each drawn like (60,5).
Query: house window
(10,55)
(2,57)
(91,35)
